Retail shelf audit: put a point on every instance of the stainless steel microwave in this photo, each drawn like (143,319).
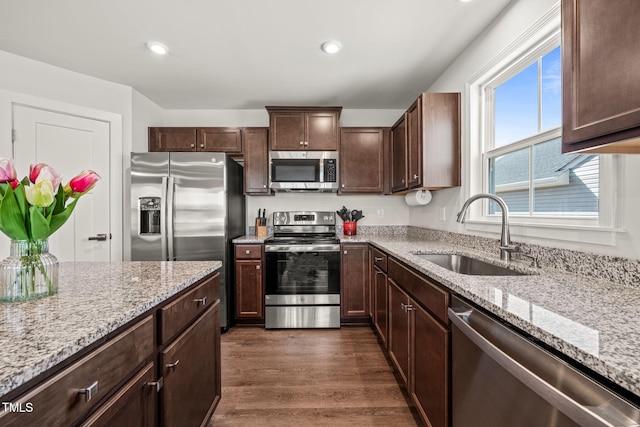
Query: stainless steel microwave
(303,170)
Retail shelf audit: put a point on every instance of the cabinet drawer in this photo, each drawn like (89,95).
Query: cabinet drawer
(248,251)
(380,259)
(428,294)
(58,401)
(133,405)
(181,312)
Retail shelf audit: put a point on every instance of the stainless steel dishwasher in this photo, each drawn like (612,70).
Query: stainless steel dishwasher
(500,378)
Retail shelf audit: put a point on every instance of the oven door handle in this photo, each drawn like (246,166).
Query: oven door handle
(302,248)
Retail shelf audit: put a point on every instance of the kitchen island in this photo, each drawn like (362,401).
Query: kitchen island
(97,303)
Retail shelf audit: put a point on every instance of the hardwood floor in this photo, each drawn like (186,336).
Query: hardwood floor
(308,377)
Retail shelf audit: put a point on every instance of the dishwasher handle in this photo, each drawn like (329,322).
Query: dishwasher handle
(574,410)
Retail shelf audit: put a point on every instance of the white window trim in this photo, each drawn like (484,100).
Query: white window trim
(587,229)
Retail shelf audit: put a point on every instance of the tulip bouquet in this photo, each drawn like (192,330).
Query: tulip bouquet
(30,211)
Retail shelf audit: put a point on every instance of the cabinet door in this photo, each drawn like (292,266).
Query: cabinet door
(286,131)
(321,131)
(380,303)
(430,370)
(173,139)
(414,144)
(190,366)
(398,345)
(440,140)
(249,290)
(399,156)
(256,161)
(362,160)
(600,68)
(220,139)
(134,405)
(354,289)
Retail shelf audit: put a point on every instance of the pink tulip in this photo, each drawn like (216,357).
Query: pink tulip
(42,171)
(82,183)
(14,184)
(7,170)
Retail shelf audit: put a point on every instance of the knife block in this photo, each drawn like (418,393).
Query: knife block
(261,231)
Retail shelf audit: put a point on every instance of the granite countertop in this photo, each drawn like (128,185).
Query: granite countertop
(93,300)
(590,320)
(249,239)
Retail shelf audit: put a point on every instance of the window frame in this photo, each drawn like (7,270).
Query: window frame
(542,36)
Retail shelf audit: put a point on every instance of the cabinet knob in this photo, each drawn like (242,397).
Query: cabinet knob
(247,252)
(257,267)
(402,181)
(342,185)
(193,145)
(345,252)
(173,366)
(264,186)
(302,143)
(89,392)
(201,145)
(202,300)
(415,176)
(306,143)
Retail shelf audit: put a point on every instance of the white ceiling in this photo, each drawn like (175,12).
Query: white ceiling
(245,54)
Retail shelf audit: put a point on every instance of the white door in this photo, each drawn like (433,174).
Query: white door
(69,144)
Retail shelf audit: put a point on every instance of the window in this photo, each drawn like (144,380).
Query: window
(514,133)
(524,162)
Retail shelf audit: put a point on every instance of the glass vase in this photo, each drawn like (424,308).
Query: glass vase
(29,272)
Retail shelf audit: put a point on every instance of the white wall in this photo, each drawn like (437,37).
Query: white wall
(514,21)
(34,83)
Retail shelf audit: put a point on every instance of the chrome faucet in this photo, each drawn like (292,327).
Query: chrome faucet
(506,248)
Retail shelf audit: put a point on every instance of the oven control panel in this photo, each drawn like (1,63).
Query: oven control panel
(304,218)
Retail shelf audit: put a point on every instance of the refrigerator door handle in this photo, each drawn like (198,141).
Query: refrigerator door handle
(170,195)
(163,218)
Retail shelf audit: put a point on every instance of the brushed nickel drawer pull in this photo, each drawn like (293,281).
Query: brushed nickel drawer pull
(377,258)
(157,385)
(89,392)
(202,300)
(173,366)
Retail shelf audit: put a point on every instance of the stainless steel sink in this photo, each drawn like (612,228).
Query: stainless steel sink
(466,265)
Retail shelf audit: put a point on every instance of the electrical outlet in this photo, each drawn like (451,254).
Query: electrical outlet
(443,214)
(380,213)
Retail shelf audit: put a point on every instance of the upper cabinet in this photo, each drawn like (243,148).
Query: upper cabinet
(362,160)
(304,128)
(216,139)
(256,161)
(600,69)
(425,144)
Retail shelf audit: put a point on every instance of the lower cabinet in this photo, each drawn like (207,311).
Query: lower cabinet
(190,368)
(419,340)
(249,286)
(119,383)
(134,405)
(354,283)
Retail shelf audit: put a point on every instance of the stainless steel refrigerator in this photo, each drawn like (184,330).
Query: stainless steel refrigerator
(188,207)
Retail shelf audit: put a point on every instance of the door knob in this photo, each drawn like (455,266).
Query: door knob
(100,237)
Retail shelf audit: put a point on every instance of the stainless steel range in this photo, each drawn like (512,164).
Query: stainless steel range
(303,271)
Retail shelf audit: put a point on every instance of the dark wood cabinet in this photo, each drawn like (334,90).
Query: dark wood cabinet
(304,128)
(173,139)
(134,405)
(600,69)
(379,290)
(354,286)
(430,367)
(215,139)
(249,289)
(425,144)
(399,322)
(362,160)
(190,368)
(256,161)
(398,152)
(419,338)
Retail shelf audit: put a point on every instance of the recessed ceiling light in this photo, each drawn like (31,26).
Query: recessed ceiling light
(331,46)
(157,48)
